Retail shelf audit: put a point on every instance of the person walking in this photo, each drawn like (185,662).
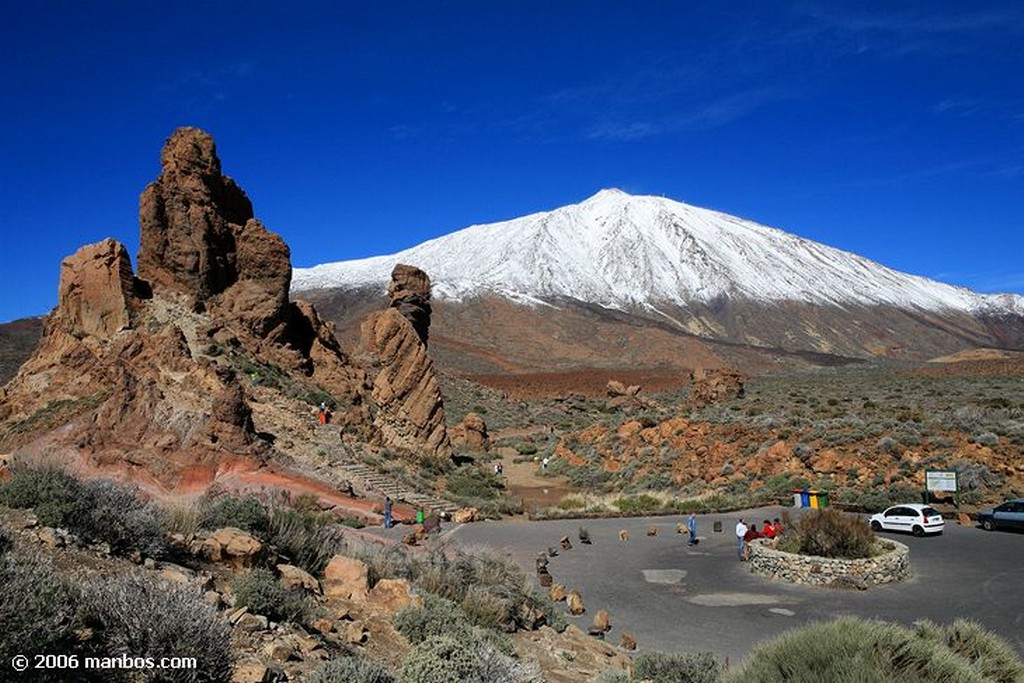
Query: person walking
(387,512)
(741,531)
(691,526)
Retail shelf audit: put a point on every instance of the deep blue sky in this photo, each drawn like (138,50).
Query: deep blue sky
(895,130)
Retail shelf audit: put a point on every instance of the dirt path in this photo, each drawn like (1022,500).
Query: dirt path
(525,483)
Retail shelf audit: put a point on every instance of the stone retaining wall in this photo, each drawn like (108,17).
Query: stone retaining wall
(822,571)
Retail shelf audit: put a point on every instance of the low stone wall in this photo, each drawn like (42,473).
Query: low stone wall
(891,566)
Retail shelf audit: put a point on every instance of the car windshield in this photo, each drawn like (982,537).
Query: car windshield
(930,512)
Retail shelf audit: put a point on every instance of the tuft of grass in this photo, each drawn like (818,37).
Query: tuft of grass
(661,667)
(850,649)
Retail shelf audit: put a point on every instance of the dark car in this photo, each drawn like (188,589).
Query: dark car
(1009,515)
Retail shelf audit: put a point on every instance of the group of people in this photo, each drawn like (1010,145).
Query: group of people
(745,534)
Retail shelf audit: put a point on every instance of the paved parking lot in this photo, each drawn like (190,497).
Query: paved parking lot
(678,599)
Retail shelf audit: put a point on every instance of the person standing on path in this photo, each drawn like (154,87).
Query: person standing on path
(387,512)
(691,526)
(741,531)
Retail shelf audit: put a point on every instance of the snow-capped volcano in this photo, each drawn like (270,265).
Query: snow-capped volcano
(623,251)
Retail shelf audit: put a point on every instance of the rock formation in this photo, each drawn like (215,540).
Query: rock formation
(96,290)
(410,412)
(409,290)
(140,375)
(712,386)
(471,434)
(189,219)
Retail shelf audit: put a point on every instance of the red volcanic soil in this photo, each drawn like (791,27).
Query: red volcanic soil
(241,474)
(587,381)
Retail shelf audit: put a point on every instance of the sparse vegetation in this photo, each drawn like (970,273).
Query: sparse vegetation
(851,649)
(351,670)
(828,533)
(137,615)
(37,609)
(661,667)
(444,659)
(98,511)
(262,593)
(247,513)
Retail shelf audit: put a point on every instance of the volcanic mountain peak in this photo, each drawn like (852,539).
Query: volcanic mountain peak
(623,251)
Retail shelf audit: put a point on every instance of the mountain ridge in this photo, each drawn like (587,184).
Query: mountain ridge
(625,251)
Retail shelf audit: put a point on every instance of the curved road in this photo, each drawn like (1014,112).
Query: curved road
(678,599)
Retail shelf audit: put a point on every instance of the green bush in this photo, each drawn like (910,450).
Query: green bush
(469,481)
(37,610)
(308,539)
(525,447)
(612,676)
(852,650)
(829,533)
(444,659)
(661,667)
(351,670)
(112,513)
(437,617)
(136,615)
(989,654)
(247,513)
(262,593)
(97,510)
(49,489)
(633,505)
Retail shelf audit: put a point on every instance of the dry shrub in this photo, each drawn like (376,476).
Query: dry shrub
(137,615)
(829,533)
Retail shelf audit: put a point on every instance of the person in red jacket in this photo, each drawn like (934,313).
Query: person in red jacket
(768,531)
(748,537)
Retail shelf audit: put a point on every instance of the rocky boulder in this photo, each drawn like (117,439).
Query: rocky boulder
(471,434)
(233,547)
(569,656)
(712,386)
(346,578)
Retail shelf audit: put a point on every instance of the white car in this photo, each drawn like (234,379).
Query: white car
(913,518)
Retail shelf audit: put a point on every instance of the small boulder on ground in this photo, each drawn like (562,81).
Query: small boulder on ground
(347,578)
(575,603)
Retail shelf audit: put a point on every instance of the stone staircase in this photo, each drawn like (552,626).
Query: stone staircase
(371,482)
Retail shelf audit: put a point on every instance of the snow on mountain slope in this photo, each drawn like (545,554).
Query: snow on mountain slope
(619,251)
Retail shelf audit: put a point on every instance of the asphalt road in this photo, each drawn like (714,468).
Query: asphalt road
(678,599)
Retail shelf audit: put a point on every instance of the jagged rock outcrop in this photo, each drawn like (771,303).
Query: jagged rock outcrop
(137,377)
(471,434)
(620,395)
(409,290)
(189,218)
(410,412)
(97,287)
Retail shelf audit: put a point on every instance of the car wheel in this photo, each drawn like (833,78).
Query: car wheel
(987,525)
(875,526)
(918,531)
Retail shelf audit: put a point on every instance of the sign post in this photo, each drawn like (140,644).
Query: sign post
(947,481)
